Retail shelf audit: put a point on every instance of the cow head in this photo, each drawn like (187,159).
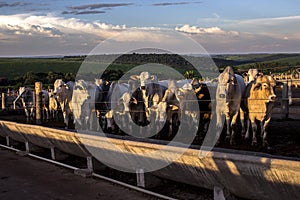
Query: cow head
(272,81)
(132,85)
(172,85)
(98,82)
(227,82)
(21,90)
(63,91)
(195,82)
(125,99)
(251,75)
(264,88)
(182,93)
(57,85)
(26,95)
(144,78)
(83,88)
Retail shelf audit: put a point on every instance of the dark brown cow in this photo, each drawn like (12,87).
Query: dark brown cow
(205,105)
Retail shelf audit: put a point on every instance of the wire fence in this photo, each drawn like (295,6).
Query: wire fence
(287,104)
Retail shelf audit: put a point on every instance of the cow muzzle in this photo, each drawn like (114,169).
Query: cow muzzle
(272,98)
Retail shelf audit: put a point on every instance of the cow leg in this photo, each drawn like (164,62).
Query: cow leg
(88,122)
(109,125)
(27,115)
(254,130)
(55,115)
(172,120)
(264,132)
(128,117)
(242,118)
(219,127)
(66,119)
(228,127)
(248,122)
(32,113)
(52,115)
(234,128)
(103,123)
(48,114)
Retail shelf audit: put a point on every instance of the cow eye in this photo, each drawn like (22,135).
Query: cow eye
(265,85)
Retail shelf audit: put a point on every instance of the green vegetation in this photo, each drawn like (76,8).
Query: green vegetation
(266,63)
(15,67)
(25,71)
(189,74)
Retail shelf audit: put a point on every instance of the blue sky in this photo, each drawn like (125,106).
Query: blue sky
(219,26)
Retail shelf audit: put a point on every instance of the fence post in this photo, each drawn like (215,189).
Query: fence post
(38,110)
(284,102)
(290,83)
(3,101)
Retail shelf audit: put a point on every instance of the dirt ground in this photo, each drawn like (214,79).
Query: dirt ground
(30,179)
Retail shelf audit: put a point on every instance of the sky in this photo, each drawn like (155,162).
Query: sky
(64,27)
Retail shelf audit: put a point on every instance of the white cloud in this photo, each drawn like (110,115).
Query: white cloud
(30,34)
(198,30)
(278,27)
(271,21)
(52,26)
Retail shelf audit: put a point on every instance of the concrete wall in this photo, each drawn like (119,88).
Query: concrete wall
(245,175)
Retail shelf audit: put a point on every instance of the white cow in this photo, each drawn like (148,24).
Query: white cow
(115,105)
(251,75)
(27,98)
(228,101)
(53,106)
(79,104)
(63,92)
(85,96)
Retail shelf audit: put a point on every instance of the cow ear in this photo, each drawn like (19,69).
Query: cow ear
(198,89)
(257,86)
(153,77)
(134,100)
(135,77)
(195,82)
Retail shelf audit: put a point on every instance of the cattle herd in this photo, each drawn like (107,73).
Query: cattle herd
(162,106)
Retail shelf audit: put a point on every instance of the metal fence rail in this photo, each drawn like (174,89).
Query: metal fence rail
(289,95)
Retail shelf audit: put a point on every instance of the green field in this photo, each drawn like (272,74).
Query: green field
(14,68)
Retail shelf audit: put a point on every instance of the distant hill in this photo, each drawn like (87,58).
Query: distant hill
(12,68)
(265,62)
